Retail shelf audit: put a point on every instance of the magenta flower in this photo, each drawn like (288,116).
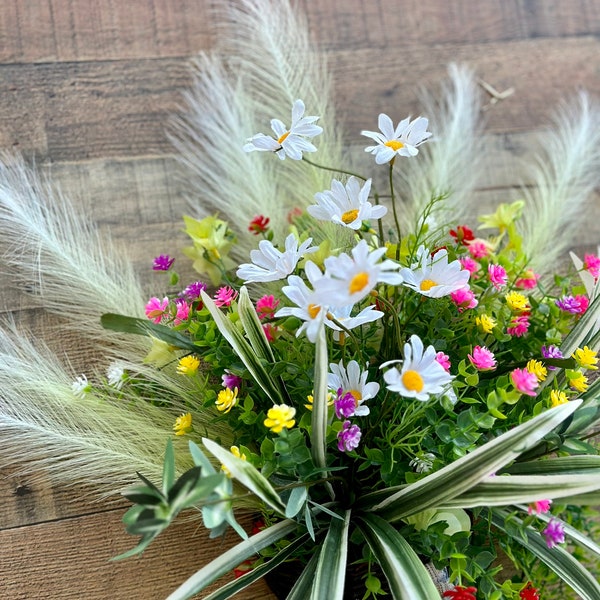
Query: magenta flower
(554,533)
(497,275)
(539,507)
(469,264)
(575,305)
(183,311)
(591,263)
(266,307)
(271,331)
(162,263)
(348,437)
(231,381)
(551,352)
(518,326)
(225,296)
(344,405)
(524,381)
(464,298)
(482,359)
(194,290)
(444,360)
(528,281)
(156,309)
(478,249)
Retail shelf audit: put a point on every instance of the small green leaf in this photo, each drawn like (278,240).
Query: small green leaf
(296,501)
(168,477)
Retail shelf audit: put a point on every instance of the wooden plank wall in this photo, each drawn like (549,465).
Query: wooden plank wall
(86,88)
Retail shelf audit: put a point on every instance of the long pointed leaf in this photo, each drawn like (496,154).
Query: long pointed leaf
(406,574)
(230,559)
(460,476)
(247,475)
(244,350)
(330,574)
(560,465)
(568,568)
(303,585)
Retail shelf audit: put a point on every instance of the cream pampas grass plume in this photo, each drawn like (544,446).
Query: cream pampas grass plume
(450,163)
(565,173)
(75,272)
(262,62)
(90,438)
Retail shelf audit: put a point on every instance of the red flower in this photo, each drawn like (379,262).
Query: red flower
(260,224)
(242,569)
(461,593)
(462,234)
(529,593)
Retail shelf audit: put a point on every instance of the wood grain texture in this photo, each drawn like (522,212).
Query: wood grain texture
(86,89)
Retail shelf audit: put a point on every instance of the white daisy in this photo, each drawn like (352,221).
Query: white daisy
(270,264)
(401,141)
(421,375)
(308,308)
(435,277)
(348,206)
(116,375)
(290,142)
(354,381)
(80,387)
(342,316)
(350,279)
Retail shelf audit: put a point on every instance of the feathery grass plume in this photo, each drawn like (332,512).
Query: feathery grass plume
(92,439)
(565,172)
(262,62)
(450,165)
(75,272)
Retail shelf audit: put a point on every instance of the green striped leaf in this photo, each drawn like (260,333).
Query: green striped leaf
(330,573)
(247,475)
(568,568)
(406,574)
(561,465)
(458,477)
(303,586)
(230,559)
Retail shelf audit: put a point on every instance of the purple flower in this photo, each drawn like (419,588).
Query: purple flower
(231,381)
(193,291)
(348,437)
(162,262)
(344,405)
(551,352)
(554,533)
(576,305)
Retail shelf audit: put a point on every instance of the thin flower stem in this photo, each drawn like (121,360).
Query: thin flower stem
(393,197)
(347,332)
(333,169)
(379,221)
(395,318)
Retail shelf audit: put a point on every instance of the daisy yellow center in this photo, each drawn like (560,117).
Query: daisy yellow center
(349,216)
(356,395)
(394,144)
(313,310)
(427,284)
(358,282)
(412,381)
(281,139)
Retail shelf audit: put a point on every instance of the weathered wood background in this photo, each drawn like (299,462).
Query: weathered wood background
(86,87)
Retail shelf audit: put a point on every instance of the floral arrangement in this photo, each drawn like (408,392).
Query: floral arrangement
(403,393)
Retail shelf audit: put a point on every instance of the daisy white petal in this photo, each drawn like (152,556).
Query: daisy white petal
(353,380)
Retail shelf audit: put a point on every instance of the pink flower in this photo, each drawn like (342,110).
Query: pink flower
(231,381)
(162,262)
(497,275)
(266,307)
(444,360)
(344,404)
(225,296)
(482,359)
(554,533)
(469,264)
(478,249)
(591,263)
(156,309)
(539,507)
(518,326)
(464,298)
(528,281)
(183,311)
(576,305)
(271,331)
(349,437)
(524,381)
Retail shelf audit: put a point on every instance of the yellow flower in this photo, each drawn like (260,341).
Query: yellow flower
(557,397)
(537,368)
(485,323)
(279,417)
(183,424)
(188,365)
(226,399)
(577,383)
(504,216)
(586,358)
(236,452)
(330,400)
(517,301)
